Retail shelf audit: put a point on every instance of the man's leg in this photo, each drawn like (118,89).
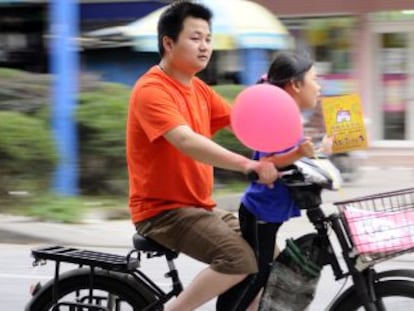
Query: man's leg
(203,235)
(209,276)
(229,218)
(206,285)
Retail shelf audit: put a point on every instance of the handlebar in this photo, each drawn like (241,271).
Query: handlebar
(285,174)
(252,176)
(306,172)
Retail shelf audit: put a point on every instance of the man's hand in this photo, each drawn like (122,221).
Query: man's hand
(266,171)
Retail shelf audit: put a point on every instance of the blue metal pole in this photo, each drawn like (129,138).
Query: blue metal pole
(255,62)
(64,62)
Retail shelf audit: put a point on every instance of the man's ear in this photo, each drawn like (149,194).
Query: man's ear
(167,42)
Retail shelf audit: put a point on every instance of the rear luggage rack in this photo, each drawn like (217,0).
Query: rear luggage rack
(86,257)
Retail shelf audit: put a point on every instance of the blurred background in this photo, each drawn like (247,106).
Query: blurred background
(67,67)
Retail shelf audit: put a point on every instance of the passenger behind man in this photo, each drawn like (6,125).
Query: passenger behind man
(263,209)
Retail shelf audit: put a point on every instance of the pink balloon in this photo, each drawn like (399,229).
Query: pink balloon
(266,118)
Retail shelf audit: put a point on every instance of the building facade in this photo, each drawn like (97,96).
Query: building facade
(364,47)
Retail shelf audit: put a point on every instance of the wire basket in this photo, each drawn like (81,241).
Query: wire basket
(380,226)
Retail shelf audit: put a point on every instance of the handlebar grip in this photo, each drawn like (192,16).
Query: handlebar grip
(252,176)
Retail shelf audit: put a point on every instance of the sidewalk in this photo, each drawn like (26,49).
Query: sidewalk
(118,233)
(100,233)
(381,157)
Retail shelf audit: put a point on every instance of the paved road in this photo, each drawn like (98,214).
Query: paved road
(17,274)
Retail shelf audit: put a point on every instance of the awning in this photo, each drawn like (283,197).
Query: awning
(236,24)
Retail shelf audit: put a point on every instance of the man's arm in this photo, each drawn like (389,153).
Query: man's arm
(205,150)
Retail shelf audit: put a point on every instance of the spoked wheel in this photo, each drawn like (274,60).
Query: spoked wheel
(396,295)
(111,292)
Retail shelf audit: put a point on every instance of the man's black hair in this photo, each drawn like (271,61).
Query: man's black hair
(172,19)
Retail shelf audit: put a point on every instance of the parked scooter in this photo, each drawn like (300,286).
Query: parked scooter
(348,164)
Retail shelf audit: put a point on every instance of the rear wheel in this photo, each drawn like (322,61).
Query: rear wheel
(392,295)
(111,292)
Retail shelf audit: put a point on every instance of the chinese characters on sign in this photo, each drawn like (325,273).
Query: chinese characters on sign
(344,118)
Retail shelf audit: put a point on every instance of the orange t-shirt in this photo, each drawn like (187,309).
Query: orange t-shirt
(160,176)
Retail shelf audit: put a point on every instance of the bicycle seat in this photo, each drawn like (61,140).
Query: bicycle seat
(144,244)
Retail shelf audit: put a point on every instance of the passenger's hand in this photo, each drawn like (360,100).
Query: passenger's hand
(326,144)
(306,148)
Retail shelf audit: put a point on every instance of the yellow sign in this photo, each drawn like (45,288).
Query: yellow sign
(344,118)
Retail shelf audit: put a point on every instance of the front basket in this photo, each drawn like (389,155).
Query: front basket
(380,226)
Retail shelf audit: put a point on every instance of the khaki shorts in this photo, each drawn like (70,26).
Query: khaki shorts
(209,236)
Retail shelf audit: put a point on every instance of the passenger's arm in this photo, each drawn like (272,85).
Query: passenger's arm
(326,144)
(305,149)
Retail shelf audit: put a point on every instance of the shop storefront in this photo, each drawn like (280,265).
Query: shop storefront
(380,69)
(390,58)
(22,27)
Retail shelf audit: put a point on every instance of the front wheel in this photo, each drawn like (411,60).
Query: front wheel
(394,295)
(111,291)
